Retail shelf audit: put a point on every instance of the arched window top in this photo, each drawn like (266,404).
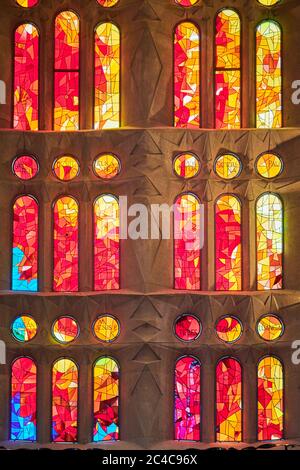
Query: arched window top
(106,399)
(266,199)
(26,78)
(268,75)
(64,400)
(187,75)
(228,39)
(186,3)
(107,3)
(27,3)
(270,394)
(268,3)
(67,41)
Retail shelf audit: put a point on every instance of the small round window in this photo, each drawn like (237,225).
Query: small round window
(66,168)
(107,166)
(186,165)
(65,329)
(24,328)
(188,327)
(106,328)
(25,167)
(229,329)
(227,166)
(268,165)
(270,327)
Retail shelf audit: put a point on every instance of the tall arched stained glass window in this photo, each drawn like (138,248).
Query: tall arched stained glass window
(269,241)
(23,400)
(228,243)
(187,237)
(106,400)
(66,72)
(187,399)
(26,78)
(228,400)
(228,70)
(25,244)
(65,276)
(268,75)
(64,401)
(270,399)
(106,243)
(107,77)
(186,75)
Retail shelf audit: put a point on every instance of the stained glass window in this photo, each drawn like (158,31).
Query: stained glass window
(25,244)
(186,3)
(268,75)
(66,168)
(269,241)
(228,243)
(187,399)
(65,275)
(107,76)
(24,328)
(65,329)
(66,72)
(187,242)
(187,75)
(23,400)
(268,165)
(228,400)
(25,167)
(107,166)
(228,70)
(186,165)
(106,400)
(227,166)
(107,3)
(270,399)
(64,401)
(106,243)
(270,327)
(26,78)
(229,329)
(188,327)
(268,3)
(27,3)
(106,328)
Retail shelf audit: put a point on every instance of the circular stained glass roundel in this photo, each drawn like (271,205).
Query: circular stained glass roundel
(270,327)
(186,3)
(227,166)
(107,166)
(268,165)
(187,327)
(65,329)
(106,328)
(268,3)
(24,328)
(66,168)
(186,165)
(27,3)
(25,167)
(107,3)
(229,329)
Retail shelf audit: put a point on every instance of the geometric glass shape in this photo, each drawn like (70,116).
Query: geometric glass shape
(107,166)
(229,329)
(187,242)
(25,244)
(25,167)
(186,165)
(186,3)
(106,400)
(268,165)
(187,75)
(270,327)
(228,70)
(268,75)
(65,270)
(228,400)
(65,329)
(107,3)
(228,238)
(64,401)
(270,399)
(66,168)
(106,328)
(66,72)
(268,3)
(187,399)
(26,78)
(106,243)
(269,241)
(228,166)
(24,328)
(27,3)
(107,76)
(188,327)
(23,400)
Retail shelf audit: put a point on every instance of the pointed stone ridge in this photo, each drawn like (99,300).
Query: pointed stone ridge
(146,331)
(146,355)
(146,12)
(146,146)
